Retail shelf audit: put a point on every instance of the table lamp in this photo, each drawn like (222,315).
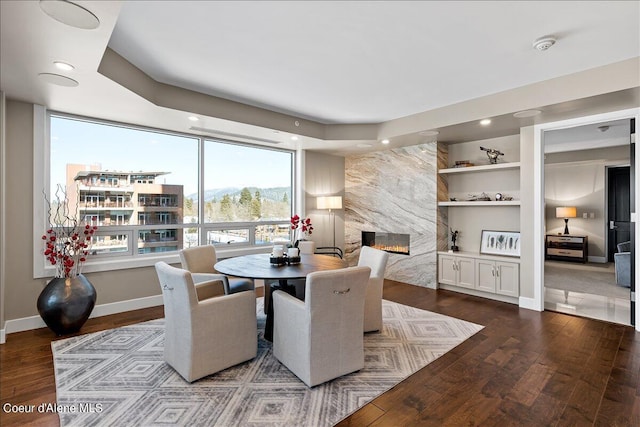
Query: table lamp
(331,203)
(566,212)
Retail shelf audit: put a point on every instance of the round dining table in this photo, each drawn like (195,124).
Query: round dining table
(258,266)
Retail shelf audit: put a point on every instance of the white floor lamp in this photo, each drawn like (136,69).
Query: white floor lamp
(331,203)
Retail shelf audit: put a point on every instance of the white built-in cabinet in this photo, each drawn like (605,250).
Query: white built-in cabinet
(469,271)
(498,277)
(457,271)
(483,274)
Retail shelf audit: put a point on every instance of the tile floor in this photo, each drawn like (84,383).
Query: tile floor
(615,310)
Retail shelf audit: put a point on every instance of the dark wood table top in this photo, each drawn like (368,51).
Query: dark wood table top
(258,266)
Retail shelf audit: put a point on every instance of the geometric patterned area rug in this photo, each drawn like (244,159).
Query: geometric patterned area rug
(118,377)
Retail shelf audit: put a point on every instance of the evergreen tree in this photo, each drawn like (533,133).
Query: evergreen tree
(245,197)
(256,206)
(226,208)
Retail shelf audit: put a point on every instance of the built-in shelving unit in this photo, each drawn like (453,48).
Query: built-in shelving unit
(469,271)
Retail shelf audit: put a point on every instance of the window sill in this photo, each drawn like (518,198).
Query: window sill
(112,264)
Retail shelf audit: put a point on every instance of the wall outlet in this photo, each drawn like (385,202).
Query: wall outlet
(592,215)
(585,215)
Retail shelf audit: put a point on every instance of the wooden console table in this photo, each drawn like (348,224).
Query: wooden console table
(565,247)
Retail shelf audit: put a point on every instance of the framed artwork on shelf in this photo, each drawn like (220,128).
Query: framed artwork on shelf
(504,243)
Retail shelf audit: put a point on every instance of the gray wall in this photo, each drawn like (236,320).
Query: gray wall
(578,178)
(324,176)
(395,191)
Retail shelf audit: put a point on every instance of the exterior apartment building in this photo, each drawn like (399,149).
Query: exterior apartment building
(117,198)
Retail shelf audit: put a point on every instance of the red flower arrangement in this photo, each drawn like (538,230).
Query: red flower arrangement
(68,241)
(303,224)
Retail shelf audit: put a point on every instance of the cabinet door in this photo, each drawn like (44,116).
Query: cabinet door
(466,272)
(486,273)
(507,279)
(446,270)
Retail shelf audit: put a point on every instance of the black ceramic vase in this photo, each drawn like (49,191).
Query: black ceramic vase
(66,303)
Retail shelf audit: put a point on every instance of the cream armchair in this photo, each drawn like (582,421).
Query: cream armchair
(376,260)
(205,336)
(320,339)
(200,260)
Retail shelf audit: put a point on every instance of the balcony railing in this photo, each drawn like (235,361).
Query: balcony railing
(104,205)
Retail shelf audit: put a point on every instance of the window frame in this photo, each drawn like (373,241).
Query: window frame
(131,258)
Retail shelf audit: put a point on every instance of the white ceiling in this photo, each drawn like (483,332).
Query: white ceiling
(331,62)
(363,61)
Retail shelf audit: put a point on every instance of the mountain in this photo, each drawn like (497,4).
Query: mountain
(274,193)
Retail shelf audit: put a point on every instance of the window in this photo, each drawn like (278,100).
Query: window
(147,178)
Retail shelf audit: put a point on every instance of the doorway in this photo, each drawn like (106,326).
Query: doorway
(587,169)
(618,208)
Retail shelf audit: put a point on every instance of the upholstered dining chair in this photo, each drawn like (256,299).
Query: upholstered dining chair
(203,337)
(200,260)
(321,338)
(376,260)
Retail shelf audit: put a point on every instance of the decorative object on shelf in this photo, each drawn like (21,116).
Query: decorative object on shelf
(301,227)
(454,237)
(492,154)
(506,243)
(498,197)
(66,302)
(484,197)
(566,212)
(463,164)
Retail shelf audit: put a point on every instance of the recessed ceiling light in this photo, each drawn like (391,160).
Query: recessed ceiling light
(429,133)
(63,66)
(70,14)
(294,138)
(544,43)
(485,122)
(193,118)
(526,113)
(57,79)
(385,141)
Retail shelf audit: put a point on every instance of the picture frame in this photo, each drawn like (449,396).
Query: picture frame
(503,243)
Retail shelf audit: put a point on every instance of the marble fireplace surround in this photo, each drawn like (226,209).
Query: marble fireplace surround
(395,191)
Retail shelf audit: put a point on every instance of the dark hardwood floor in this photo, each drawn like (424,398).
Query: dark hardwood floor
(523,369)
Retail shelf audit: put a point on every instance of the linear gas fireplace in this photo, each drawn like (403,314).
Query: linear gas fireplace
(390,242)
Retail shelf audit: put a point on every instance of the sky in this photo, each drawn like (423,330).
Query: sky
(124,149)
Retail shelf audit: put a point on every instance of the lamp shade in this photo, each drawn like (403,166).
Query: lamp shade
(329,202)
(566,212)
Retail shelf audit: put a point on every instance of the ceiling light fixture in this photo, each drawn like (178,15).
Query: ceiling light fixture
(294,138)
(429,133)
(193,118)
(385,141)
(485,122)
(63,66)
(57,79)
(603,128)
(70,14)
(526,113)
(544,43)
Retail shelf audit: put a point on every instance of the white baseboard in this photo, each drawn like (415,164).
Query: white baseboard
(597,259)
(36,322)
(528,303)
(2,336)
